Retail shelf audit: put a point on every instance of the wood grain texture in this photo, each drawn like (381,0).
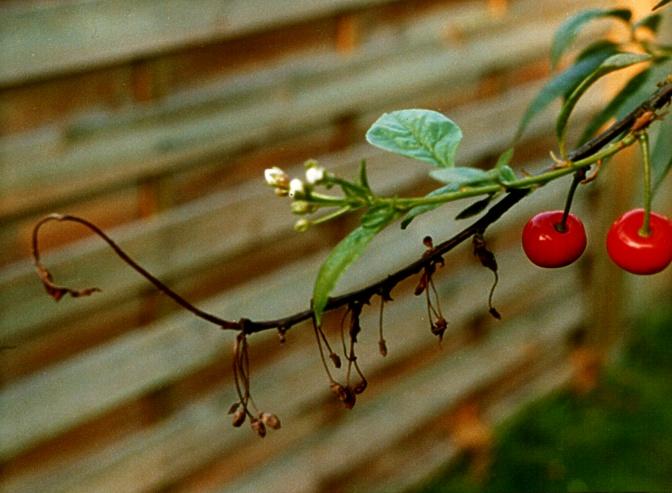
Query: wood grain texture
(156,113)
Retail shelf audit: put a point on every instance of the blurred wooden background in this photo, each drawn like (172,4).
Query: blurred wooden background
(155,120)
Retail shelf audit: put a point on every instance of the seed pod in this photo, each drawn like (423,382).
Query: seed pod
(239,417)
(360,387)
(349,398)
(258,427)
(338,389)
(335,359)
(270,420)
(233,407)
(439,327)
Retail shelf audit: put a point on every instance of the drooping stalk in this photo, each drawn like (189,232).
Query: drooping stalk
(643,138)
(579,176)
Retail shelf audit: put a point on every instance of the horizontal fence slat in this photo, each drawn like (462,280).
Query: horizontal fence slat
(60,37)
(405,468)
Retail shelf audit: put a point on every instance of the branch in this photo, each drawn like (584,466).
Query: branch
(57,292)
(637,120)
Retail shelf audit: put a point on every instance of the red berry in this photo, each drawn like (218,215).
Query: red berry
(546,246)
(640,254)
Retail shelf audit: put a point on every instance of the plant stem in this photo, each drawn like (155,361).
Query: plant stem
(643,138)
(527,182)
(561,227)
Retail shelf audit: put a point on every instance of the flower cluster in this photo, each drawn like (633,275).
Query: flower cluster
(301,191)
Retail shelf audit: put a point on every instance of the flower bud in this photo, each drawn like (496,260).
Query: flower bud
(276,177)
(296,188)
(302,207)
(302,225)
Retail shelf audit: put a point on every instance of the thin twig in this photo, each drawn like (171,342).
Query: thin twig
(382,287)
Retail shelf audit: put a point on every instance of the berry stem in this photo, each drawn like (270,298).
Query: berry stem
(579,176)
(643,139)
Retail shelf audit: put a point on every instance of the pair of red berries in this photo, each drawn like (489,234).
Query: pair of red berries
(547,244)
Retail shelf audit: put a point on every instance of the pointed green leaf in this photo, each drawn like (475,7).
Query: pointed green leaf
(421,209)
(505,158)
(506,174)
(632,94)
(605,46)
(625,98)
(650,22)
(661,156)
(461,175)
(475,208)
(363,175)
(660,4)
(611,64)
(424,135)
(568,31)
(563,83)
(344,254)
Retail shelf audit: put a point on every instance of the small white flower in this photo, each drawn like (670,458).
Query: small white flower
(315,175)
(296,188)
(276,177)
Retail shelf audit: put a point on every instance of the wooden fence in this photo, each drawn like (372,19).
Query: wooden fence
(155,120)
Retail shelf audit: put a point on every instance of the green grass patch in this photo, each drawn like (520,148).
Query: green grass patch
(617,438)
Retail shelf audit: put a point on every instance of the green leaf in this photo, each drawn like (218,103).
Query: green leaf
(634,92)
(504,158)
(461,175)
(424,135)
(562,84)
(625,98)
(377,216)
(650,22)
(661,155)
(568,31)
(506,174)
(611,64)
(344,254)
(605,46)
(422,209)
(475,208)
(660,4)
(363,176)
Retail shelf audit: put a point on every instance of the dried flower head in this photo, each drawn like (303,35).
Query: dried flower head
(270,420)
(258,427)
(239,417)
